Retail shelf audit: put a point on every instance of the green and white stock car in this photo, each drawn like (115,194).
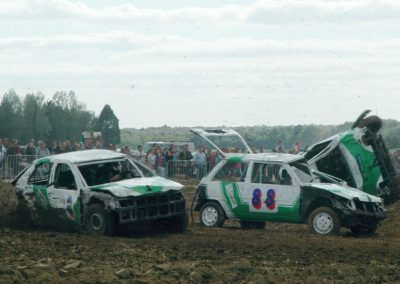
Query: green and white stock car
(99,190)
(358,156)
(255,188)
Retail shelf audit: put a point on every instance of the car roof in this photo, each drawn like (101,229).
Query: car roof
(265,157)
(86,156)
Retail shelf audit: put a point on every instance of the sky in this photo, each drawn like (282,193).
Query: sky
(208,63)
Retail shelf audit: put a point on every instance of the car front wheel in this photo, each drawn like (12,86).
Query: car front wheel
(212,215)
(98,221)
(324,221)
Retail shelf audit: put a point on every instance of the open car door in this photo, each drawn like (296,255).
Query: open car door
(206,134)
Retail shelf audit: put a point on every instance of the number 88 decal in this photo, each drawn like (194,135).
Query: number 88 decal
(270,202)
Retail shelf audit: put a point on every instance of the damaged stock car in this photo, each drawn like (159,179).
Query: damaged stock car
(255,188)
(359,157)
(99,190)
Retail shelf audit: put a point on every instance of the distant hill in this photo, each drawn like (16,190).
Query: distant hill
(265,136)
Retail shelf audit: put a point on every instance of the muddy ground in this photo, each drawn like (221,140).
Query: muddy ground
(279,253)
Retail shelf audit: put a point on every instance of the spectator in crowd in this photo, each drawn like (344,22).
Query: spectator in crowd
(296,148)
(279,147)
(159,162)
(19,148)
(12,148)
(30,149)
(56,148)
(99,144)
(151,159)
(111,147)
(65,146)
(185,155)
(213,159)
(261,149)
(77,146)
(171,156)
(127,150)
(12,157)
(139,153)
(88,145)
(43,151)
(200,162)
(253,149)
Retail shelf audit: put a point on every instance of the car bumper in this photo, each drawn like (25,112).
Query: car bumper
(150,207)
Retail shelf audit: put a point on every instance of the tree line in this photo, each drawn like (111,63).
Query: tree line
(257,136)
(62,117)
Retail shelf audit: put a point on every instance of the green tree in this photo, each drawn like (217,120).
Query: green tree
(108,124)
(35,121)
(68,117)
(10,115)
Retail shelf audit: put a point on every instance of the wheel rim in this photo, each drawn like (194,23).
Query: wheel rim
(96,221)
(209,216)
(323,223)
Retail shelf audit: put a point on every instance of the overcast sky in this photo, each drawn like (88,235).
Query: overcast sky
(208,62)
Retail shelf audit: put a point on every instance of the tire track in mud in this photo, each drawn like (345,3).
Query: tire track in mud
(279,253)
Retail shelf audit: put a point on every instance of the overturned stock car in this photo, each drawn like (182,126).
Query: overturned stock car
(359,157)
(99,190)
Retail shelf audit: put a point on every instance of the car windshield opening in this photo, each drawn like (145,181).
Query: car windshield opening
(302,171)
(108,171)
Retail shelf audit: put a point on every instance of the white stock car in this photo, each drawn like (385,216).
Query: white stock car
(99,190)
(255,188)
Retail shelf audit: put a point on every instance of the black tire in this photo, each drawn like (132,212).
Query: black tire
(212,215)
(364,230)
(252,225)
(373,123)
(98,221)
(324,221)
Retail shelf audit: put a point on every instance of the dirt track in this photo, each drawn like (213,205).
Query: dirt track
(280,253)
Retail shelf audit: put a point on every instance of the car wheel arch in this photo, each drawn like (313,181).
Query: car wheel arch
(321,201)
(214,201)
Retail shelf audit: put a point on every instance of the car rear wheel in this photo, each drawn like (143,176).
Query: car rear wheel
(98,221)
(212,215)
(324,221)
(373,122)
(252,225)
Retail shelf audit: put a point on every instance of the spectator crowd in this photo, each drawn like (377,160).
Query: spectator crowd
(172,161)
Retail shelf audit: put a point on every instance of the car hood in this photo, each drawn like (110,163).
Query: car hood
(138,186)
(346,192)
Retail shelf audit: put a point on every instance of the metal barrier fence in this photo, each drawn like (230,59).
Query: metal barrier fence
(185,171)
(180,170)
(11,165)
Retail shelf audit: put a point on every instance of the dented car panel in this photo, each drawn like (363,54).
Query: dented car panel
(66,187)
(353,209)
